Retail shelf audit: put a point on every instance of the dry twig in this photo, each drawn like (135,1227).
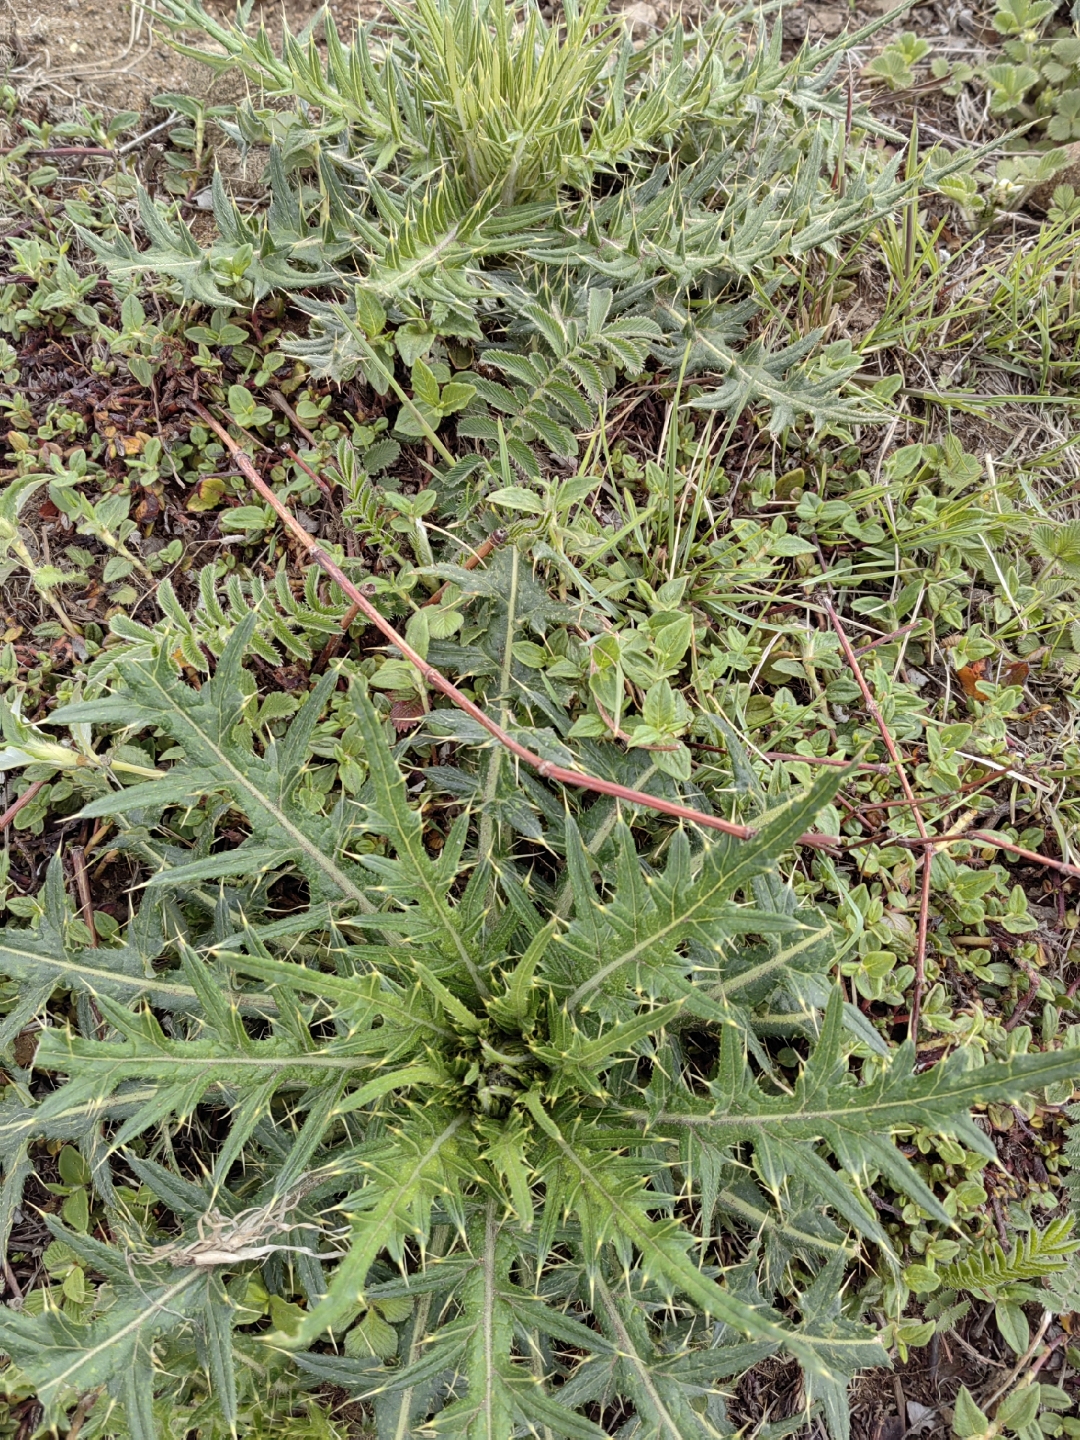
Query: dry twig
(82,885)
(1018,1368)
(1024,1003)
(79,1414)
(886,639)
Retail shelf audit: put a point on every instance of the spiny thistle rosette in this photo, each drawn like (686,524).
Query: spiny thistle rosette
(489,1153)
(515,1112)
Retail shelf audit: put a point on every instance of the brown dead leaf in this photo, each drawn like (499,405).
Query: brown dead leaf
(969,676)
(122,445)
(148,508)
(405,714)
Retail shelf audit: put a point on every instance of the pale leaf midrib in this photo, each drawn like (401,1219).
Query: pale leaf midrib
(419,865)
(960,1100)
(89,972)
(85,1357)
(147,1063)
(307,847)
(630,1354)
(595,980)
(634,1228)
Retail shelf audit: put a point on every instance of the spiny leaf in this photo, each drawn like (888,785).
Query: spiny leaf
(66,1359)
(202,722)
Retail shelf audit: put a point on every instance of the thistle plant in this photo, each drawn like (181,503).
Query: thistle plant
(489,1154)
(520,105)
(475,168)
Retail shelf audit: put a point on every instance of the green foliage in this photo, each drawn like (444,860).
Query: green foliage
(249,259)
(988,1271)
(1029,1411)
(896,63)
(518,108)
(1005,1280)
(496,1103)
(1072,1158)
(556,389)
(492,184)
(393,1074)
(184,161)
(1038,81)
(283,625)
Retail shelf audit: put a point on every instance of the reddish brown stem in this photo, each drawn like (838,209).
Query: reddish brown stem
(24,799)
(807,759)
(886,639)
(286,409)
(319,481)
(1042,1359)
(879,719)
(1024,1003)
(546,768)
(978,837)
(82,885)
(983,837)
(920,946)
(495,539)
(12,1283)
(967,789)
(909,795)
(60,150)
(825,760)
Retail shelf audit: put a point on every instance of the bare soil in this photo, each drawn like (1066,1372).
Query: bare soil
(107,54)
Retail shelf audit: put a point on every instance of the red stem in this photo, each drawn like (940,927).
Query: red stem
(482,551)
(59,150)
(319,481)
(885,639)
(24,799)
(985,838)
(546,768)
(909,794)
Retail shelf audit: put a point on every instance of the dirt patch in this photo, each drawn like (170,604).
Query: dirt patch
(820,20)
(108,55)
